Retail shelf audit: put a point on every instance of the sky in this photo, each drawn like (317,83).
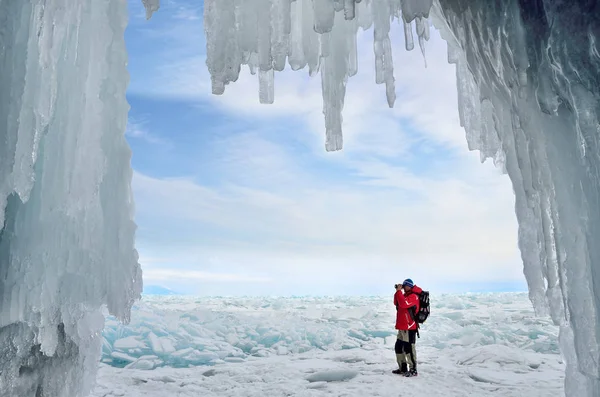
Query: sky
(237,198)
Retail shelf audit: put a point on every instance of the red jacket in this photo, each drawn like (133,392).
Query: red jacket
(404,320)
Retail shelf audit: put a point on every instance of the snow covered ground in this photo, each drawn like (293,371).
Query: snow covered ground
(472,345)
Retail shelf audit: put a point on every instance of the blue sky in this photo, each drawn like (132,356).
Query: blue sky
(235,198)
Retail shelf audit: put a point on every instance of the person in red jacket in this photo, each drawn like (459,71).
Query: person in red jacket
(406,300)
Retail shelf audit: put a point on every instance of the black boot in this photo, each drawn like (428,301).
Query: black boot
(412,372)
(403,370)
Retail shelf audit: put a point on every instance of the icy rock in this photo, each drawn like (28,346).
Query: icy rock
(234,360)
(317,385)
(141,364)
(192,356)
(332,376)
(161,345)
(500,355)
(282,350)
(123,357)
(131,342)
(164,379)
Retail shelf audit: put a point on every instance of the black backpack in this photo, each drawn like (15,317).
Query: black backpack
(423,312)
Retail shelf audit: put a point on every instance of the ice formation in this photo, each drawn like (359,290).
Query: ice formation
(151,7)
(528,79)
(67,237)
(528,76)
(476,345)
(320,34)
(179,331)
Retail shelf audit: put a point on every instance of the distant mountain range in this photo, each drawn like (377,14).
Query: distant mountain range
(158,290)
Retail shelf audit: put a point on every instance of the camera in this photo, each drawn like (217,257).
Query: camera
(396,286)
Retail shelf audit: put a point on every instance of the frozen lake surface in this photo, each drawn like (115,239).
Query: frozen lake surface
(472,345)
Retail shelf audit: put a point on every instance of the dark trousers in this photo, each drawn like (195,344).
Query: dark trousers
(406,353)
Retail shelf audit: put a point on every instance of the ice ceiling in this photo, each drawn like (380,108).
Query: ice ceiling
(528,76)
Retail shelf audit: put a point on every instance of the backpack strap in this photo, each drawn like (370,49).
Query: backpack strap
(411,311)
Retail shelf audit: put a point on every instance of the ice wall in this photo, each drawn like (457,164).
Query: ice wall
(528,75)
(529,95)
(67,237)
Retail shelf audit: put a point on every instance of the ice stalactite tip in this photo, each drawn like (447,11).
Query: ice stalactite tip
(151,7)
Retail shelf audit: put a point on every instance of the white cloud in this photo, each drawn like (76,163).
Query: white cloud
(186,275)
(369,125)
(139,130)
(188,12)
(443,229)
(150,260)
(450,220)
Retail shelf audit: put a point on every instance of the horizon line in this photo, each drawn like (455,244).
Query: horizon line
(293,296)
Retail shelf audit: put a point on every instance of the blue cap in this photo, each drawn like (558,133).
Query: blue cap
(408,283)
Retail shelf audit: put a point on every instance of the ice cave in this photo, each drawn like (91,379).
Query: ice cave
(528,76)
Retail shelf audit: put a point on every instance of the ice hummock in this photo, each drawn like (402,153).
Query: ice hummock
(475,345)
(67,237)
(528,85)
(179,331)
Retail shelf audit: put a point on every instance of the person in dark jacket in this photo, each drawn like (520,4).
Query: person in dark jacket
(406,300)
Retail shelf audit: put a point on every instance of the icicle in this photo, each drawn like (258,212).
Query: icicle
(246,25)
(296,59)
(264,34)
(412,9)
(151,7)
(324,14)
(421,32)
(265,61)
(349,10)
(253,63)
(390,85)
(334,76)
(223,55)
(310,42)
(353,54)
(365,15)
(280,31)
(426,30)
(266,86)
(384,65)
(408,36)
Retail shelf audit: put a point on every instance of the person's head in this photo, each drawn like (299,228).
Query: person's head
(407,285)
